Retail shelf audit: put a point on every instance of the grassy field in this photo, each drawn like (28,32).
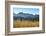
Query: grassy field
(25,23)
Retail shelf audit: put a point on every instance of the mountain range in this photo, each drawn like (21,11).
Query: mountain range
(28,16)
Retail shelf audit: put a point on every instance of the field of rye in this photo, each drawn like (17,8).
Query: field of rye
(25,23)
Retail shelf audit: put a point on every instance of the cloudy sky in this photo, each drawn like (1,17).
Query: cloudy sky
(26,10)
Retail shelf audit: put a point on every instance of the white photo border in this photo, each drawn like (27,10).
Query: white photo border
(25,29)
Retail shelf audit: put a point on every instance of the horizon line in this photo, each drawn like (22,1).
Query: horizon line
(28,13)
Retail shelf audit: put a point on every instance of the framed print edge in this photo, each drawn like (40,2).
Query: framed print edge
(7,20)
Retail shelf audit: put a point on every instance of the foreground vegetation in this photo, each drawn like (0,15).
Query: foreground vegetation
(25,23)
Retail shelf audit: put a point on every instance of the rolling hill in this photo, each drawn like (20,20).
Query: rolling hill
(25,16)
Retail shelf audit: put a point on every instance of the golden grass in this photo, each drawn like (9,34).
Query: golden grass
(25,23)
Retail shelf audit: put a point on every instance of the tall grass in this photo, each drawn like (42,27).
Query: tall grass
(25,23)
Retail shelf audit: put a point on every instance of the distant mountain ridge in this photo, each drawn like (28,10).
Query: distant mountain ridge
(25,16)
(25,13)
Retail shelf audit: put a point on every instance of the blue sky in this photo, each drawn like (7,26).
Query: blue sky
(26,10)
